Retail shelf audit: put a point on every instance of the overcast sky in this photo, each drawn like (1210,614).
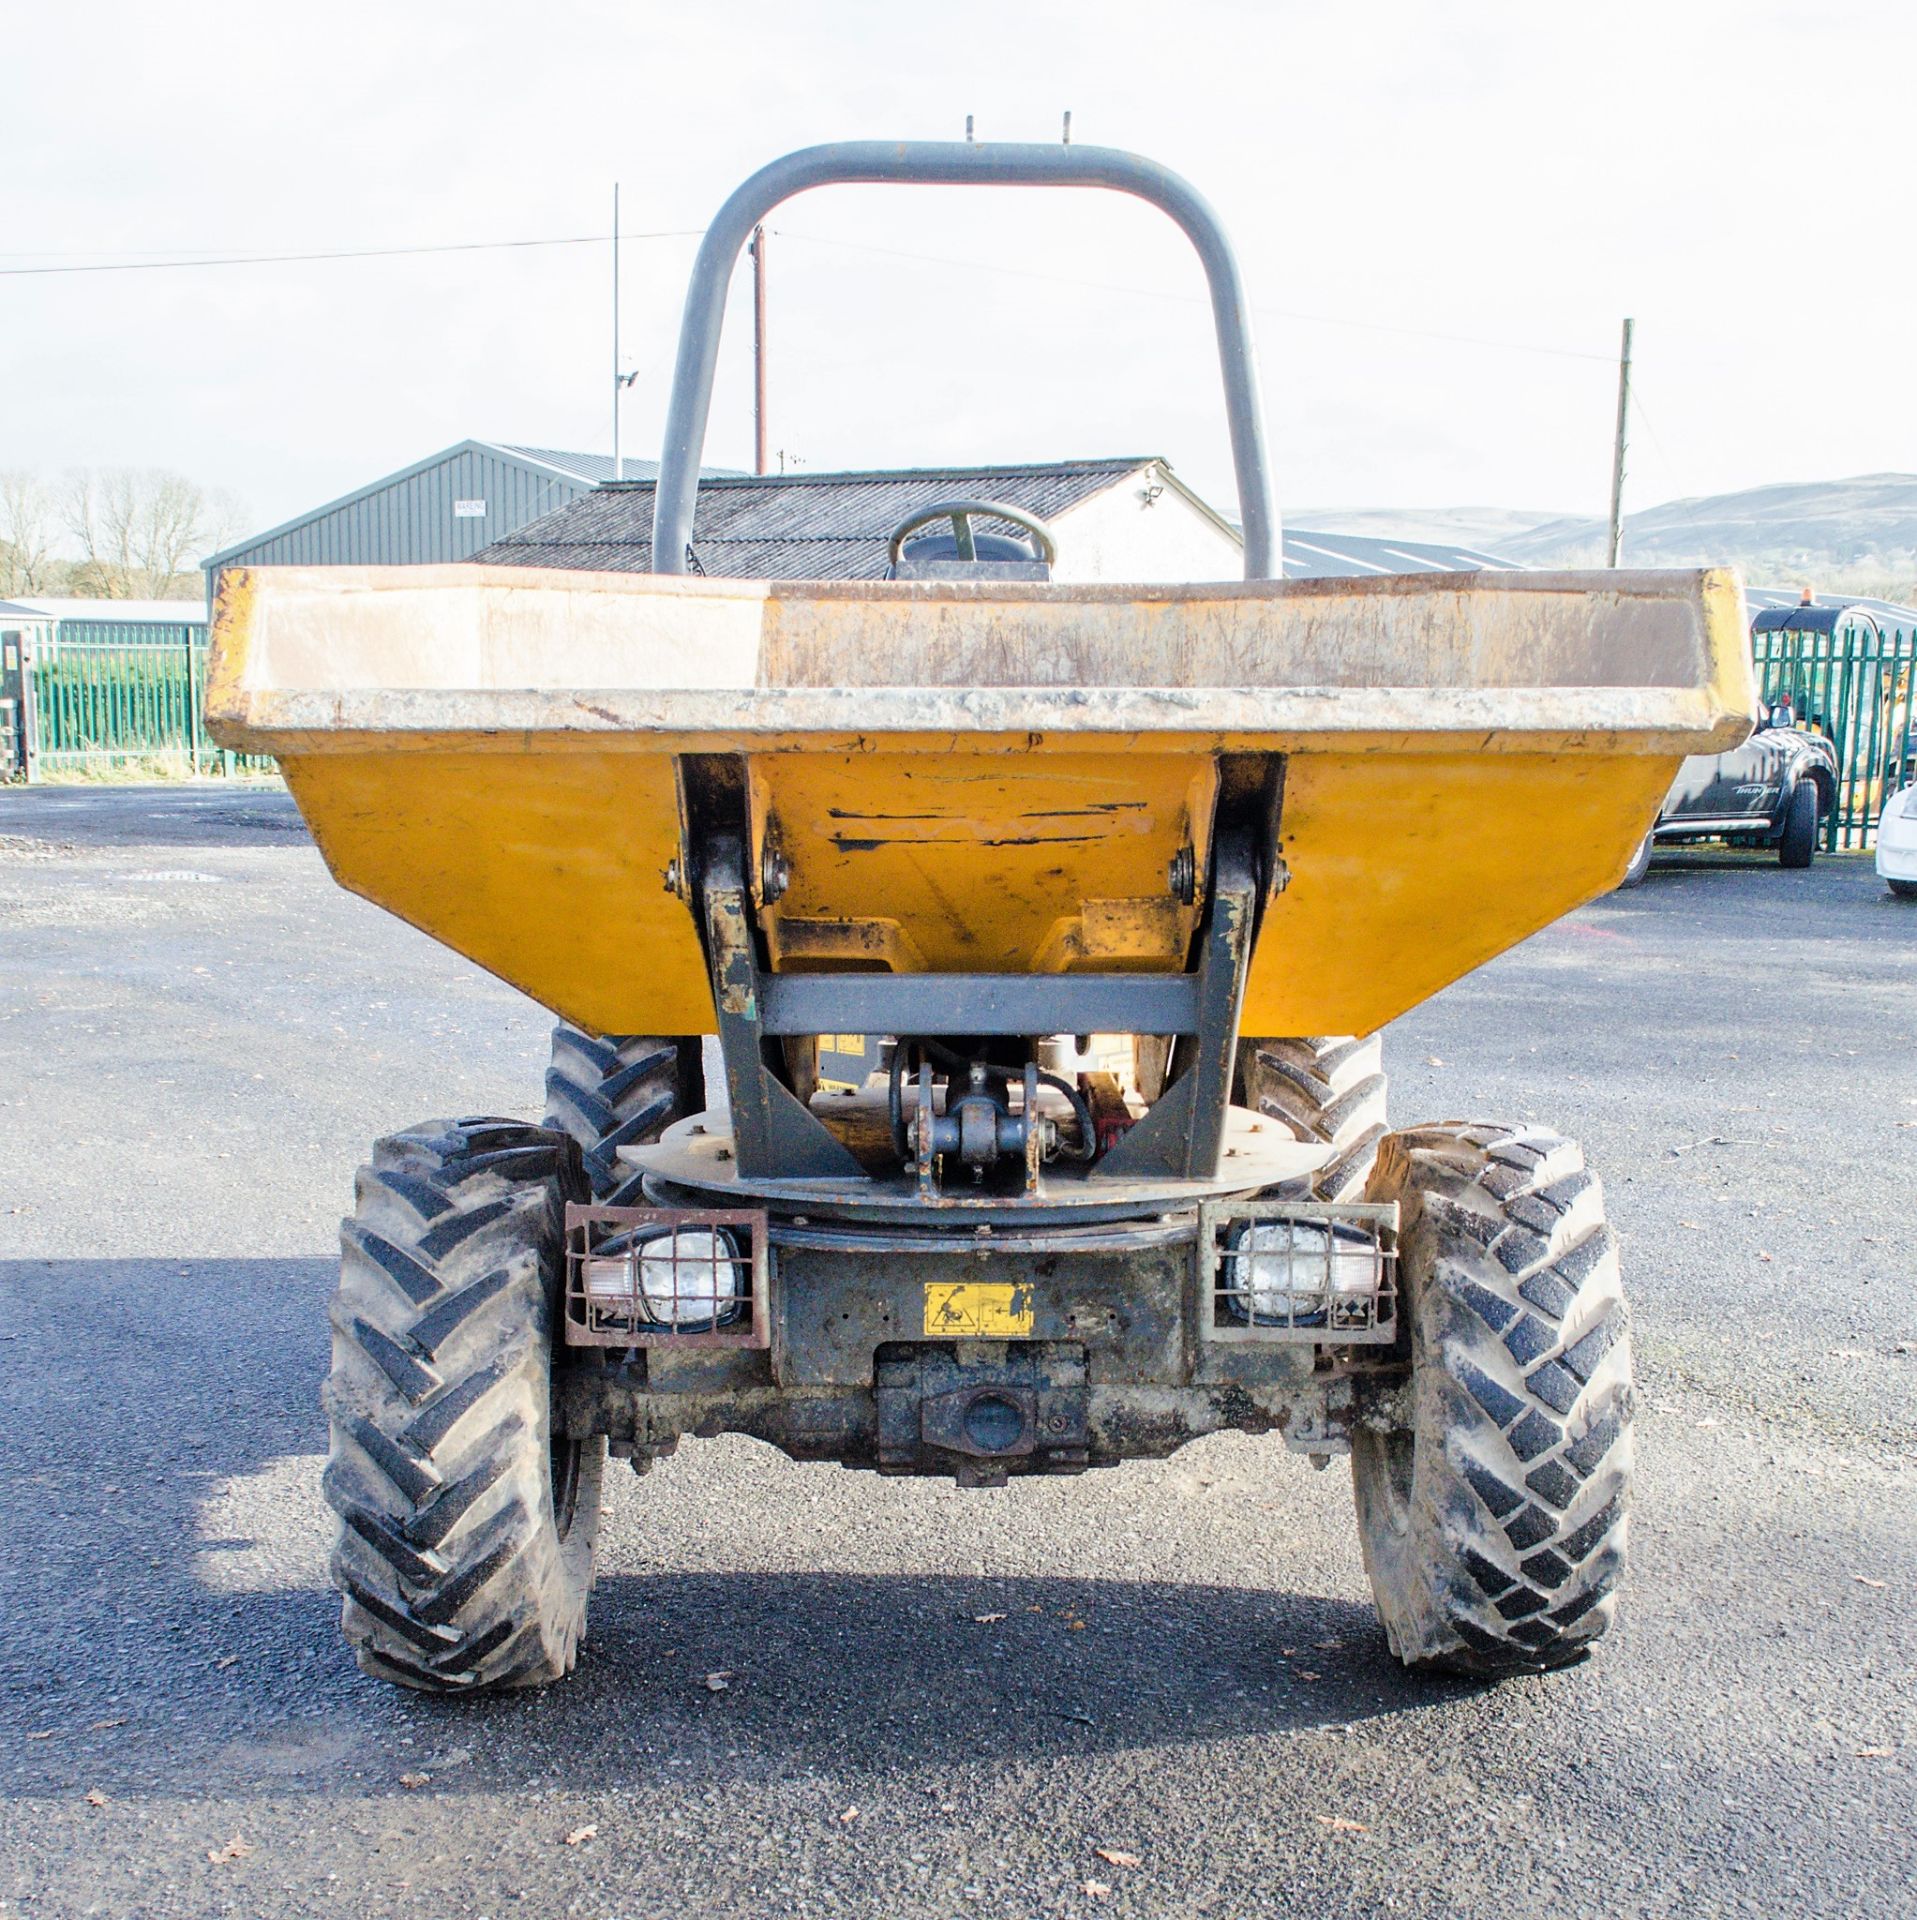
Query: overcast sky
(1442,212)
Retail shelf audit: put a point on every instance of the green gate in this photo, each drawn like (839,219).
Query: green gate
(1853,685)
(126,693)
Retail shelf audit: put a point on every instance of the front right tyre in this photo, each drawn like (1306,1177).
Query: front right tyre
(1493,1509)
(466,1522)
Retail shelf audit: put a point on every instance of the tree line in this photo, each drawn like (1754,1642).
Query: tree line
(110,533)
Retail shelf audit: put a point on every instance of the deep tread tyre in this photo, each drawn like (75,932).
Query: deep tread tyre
(1329,1089)
(466,1533)
(1797,846)
(1494,1525)
(621,1091)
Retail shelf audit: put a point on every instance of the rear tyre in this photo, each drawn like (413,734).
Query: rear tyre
(1903,889)
(1640,864)
(1798,845)
(622,1091)
(465,1544)
(1329,1089)
(1494,1523)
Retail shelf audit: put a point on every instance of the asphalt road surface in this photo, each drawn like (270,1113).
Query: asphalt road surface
(198,1036)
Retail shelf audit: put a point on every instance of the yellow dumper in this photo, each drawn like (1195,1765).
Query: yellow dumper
(1040,929)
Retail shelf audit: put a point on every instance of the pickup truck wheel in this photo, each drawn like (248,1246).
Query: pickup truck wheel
(1329,1089)
(609,1093)
(1640,864)
(1494,1522)
(465,1543)
(1798,844)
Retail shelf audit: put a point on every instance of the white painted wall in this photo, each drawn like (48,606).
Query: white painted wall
(1121,535)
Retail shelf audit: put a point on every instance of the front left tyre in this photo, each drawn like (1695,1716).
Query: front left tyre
(466,1521)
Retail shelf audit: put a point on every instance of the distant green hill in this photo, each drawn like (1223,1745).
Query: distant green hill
(1857,535)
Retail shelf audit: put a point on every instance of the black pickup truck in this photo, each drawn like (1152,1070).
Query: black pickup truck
(1773,791)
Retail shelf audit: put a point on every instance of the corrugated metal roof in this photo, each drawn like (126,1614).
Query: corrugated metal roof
(590,467)
(72,607)
(834,526)
(811,526)
(1312,555)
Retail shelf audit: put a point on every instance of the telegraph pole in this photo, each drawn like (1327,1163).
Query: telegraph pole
(1617,456)
(759,464)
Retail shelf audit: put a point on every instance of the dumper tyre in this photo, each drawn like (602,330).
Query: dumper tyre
(1640,864)
(1494,1522)
(1330,1089)
(1797,844)
(619,1090)
(465,1546)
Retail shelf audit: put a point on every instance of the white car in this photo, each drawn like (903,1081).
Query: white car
(1897,843)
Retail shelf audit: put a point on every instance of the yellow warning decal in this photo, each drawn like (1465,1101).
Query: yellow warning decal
(977,1310)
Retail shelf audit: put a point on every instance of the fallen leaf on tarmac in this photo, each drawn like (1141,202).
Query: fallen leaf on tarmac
(1034,1609)
(1327,1646)
(580,1835)
(46,1733)
(719,1682)
(988,1619)
(1863,1753)
(1763,1255)
(227,1660)
(1074,1626)
(95,1798)
(1098,1889)
(1304,1674)
(1118,1857)
(235,1849)
(1337,1825)
(100,1726)
(1692,1224)
(848,1816)
(414,1779)
(1862,1579)
(1432,1060)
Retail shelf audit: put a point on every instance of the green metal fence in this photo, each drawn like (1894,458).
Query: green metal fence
(1854,685)
(126,694)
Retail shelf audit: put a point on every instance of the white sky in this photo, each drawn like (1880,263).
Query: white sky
(1738,177)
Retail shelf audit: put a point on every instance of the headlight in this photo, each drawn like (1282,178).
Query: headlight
(688,1280)
(1296,1273)
(1907,805)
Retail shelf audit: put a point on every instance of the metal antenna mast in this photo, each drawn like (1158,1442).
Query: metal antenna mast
(618,384)
(1617,455)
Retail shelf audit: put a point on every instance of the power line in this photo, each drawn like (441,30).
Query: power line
(1194,299)
(344,253)
(178,262)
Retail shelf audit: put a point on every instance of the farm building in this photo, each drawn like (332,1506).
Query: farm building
(1118,519)
(445,507)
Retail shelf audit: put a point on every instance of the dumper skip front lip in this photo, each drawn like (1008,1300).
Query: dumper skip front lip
(493,753)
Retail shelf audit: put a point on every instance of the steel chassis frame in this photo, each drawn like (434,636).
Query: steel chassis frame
(1181,1136)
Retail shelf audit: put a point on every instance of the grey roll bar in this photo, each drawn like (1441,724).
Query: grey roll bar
(954,163)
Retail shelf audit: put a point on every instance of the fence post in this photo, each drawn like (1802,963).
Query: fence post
(192,704)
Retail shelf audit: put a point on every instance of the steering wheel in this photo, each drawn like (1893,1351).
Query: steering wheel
(960,513)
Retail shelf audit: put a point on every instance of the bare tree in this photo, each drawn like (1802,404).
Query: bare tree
(27,562)
(137,528)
